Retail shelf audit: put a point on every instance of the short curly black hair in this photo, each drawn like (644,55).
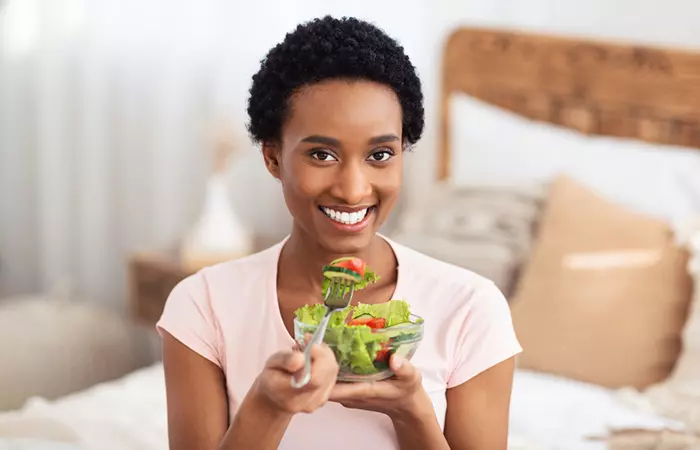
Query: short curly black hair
(330,48)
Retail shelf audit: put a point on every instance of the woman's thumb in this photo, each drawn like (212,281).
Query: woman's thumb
(287,360)
(400,365)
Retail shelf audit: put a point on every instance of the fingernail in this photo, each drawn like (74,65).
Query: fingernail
(398,361)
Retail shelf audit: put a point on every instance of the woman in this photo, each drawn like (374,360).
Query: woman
(334,107)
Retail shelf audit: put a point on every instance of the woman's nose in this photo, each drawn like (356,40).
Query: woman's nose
(352,185)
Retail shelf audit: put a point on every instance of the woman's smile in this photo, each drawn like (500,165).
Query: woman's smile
(347,219)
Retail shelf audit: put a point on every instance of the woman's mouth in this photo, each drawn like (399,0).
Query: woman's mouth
(349,220)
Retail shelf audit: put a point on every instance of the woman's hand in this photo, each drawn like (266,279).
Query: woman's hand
(273,384)
(400,395)
(403,399)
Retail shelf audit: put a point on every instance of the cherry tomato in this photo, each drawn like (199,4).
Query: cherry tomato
(374,323)
(354,264)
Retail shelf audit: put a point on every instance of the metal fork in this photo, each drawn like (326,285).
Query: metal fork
(338,296)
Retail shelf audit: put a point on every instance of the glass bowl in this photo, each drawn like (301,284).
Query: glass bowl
(363,353)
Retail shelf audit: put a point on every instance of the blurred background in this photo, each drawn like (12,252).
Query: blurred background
(122,135)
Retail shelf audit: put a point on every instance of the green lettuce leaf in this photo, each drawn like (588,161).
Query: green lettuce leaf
(356,346)
(370,277)
(313,314)
(394,311)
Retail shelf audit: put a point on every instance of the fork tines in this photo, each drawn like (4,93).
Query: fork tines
(339,293)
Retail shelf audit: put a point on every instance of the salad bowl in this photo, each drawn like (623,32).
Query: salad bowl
(364,337)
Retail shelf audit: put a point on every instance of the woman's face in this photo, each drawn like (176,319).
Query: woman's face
(340,161)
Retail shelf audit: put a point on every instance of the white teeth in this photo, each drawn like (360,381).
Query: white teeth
(346,217)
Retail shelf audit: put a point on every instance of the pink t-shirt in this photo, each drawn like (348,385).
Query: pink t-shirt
(229,314)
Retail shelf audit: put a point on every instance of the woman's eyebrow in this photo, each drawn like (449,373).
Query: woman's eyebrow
(383,139)
(326,140)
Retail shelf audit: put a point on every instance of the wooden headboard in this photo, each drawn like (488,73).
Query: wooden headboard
(594,87)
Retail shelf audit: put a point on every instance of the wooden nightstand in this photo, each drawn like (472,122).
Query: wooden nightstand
(153,275)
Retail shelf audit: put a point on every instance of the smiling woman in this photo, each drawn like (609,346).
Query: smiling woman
(339,161)
(334,107)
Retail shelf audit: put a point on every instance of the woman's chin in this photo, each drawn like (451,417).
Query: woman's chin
(347,244)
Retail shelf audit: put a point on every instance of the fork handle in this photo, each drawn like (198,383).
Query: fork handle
(302,378)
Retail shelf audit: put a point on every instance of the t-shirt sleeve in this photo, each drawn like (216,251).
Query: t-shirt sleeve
(188,316)
(486,336)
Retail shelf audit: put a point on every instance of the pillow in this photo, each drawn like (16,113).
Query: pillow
(494,145)
(57,346)
(604,295)
(486,229)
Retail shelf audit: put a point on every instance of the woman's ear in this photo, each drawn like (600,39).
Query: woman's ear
(271,154)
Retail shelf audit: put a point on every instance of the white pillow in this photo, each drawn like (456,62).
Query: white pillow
(494,146)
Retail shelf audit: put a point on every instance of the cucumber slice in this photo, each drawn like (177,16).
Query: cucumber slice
(344,258)
(364,316)
(341,272)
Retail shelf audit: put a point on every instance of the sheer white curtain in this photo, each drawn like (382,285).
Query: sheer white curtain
(105,106)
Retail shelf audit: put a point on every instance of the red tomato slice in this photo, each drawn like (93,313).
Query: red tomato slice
(370,322)
(361,321)
(377,323)
(354,264)
(382,355)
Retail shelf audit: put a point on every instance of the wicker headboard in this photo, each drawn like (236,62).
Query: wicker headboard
(601,88)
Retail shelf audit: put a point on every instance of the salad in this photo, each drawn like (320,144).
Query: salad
(350,268)
(364,336)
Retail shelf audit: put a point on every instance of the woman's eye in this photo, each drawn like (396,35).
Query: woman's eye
(322,155)
(380,156)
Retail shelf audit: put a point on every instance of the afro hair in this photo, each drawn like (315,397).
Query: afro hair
(330,48)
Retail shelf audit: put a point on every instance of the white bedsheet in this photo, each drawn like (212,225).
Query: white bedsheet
(554,413)
(126,414)
(548,413)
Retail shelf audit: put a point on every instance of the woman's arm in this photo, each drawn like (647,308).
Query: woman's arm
(419,429)
(478,410)
(198,407)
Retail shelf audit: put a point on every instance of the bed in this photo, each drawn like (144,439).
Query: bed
(519,109)
(548,413)
(576,89)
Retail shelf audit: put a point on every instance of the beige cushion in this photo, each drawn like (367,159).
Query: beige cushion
(604,296)
(51,347)
(486,229)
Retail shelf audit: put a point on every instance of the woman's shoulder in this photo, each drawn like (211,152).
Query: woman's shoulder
(200,302)
(246,267)
(213,285)
(449,293)
(418,268)
(468,313)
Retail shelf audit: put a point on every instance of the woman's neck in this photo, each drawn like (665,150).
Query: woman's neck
(303,258)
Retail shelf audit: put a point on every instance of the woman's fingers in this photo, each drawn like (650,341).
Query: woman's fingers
(286,361)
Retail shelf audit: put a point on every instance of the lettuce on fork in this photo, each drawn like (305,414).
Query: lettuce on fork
(369,277)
